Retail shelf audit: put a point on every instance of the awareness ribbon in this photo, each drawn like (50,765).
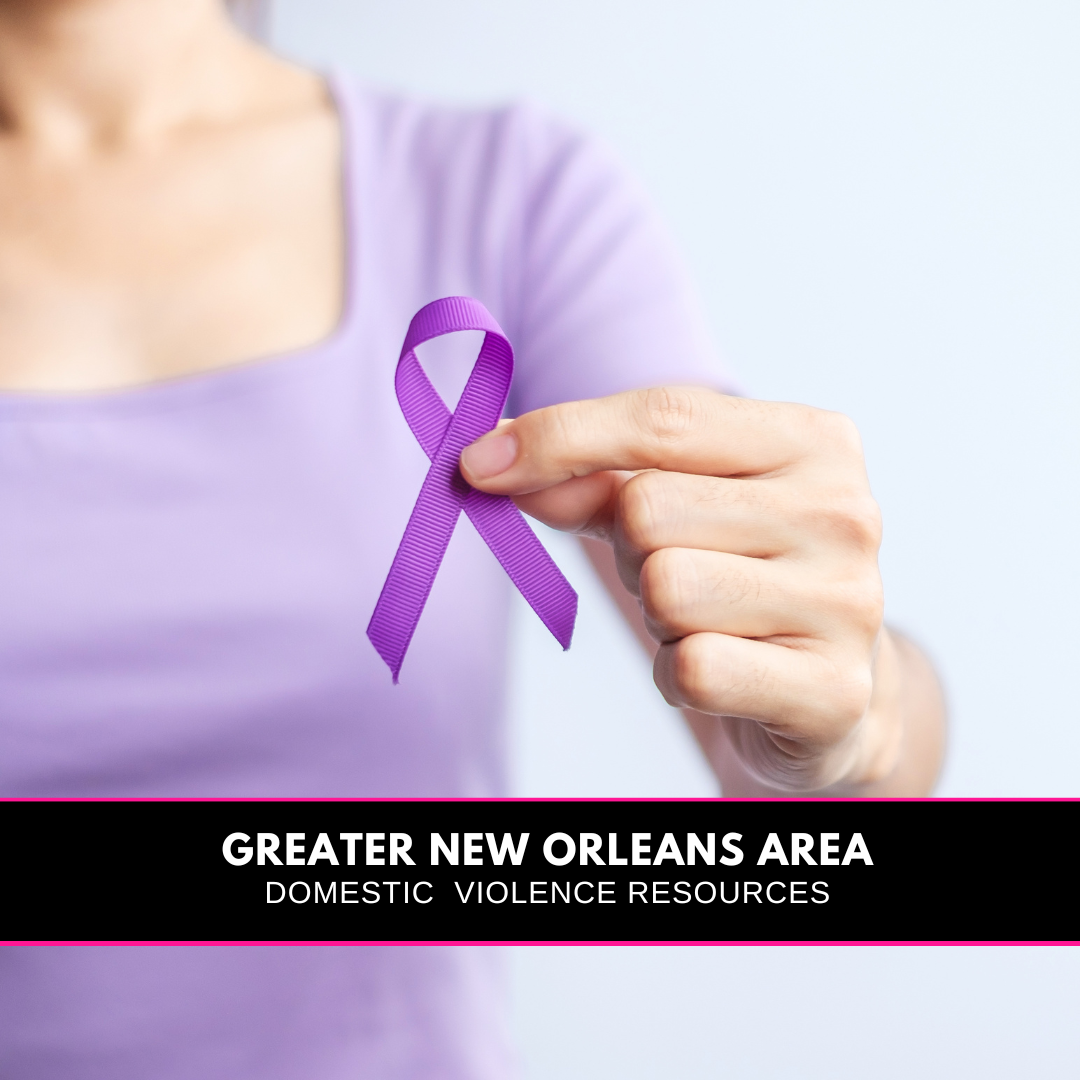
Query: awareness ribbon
(444,495)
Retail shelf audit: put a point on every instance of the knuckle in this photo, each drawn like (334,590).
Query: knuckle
(852,608)
(845,433)
(667,579)
(694,671)
(842,683)
(669,412)
(706,679)
(560,429)
(852,518)
(835,432)
(643,507)
(862,517)
(849,699)
(868,608)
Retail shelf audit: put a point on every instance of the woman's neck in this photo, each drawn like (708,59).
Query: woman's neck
(170,195)
(85,75)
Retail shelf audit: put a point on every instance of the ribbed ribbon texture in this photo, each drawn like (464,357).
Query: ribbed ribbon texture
(444,495)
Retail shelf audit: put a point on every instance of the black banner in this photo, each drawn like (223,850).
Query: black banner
(519,870)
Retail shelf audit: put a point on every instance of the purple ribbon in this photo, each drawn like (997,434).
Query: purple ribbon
(445,494)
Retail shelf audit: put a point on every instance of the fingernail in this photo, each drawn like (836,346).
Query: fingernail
(489,456)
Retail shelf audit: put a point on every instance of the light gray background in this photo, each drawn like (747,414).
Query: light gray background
(880,203)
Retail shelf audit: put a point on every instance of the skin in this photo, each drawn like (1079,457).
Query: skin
(170,204)
(748,534)
(169,196)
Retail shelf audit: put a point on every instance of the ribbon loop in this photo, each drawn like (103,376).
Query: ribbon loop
(444,495)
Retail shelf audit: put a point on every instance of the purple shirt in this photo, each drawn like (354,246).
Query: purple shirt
(187,570)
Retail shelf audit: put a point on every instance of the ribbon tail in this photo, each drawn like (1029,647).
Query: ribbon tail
(526,561)
(443,435)
(413,571)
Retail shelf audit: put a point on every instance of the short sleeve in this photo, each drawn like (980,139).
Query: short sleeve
(601,301)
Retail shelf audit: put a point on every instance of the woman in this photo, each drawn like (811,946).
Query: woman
(193,540)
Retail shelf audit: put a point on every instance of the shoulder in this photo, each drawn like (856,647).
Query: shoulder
(540,221)
(406,121)
(518,143)
(505,203)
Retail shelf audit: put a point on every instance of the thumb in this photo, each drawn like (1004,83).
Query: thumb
(584,504)
(578,504)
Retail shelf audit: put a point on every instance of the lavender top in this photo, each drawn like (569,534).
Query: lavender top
(187,570)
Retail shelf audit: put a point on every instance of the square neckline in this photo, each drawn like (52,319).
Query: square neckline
(235,375)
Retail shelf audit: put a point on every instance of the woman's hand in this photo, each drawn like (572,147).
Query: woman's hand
(748,531)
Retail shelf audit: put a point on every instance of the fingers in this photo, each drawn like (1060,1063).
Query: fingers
(677,429)
(684,591)
(808,697)
(643,512)
(748,531)
(585,505)
(829,525)
(660,509)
